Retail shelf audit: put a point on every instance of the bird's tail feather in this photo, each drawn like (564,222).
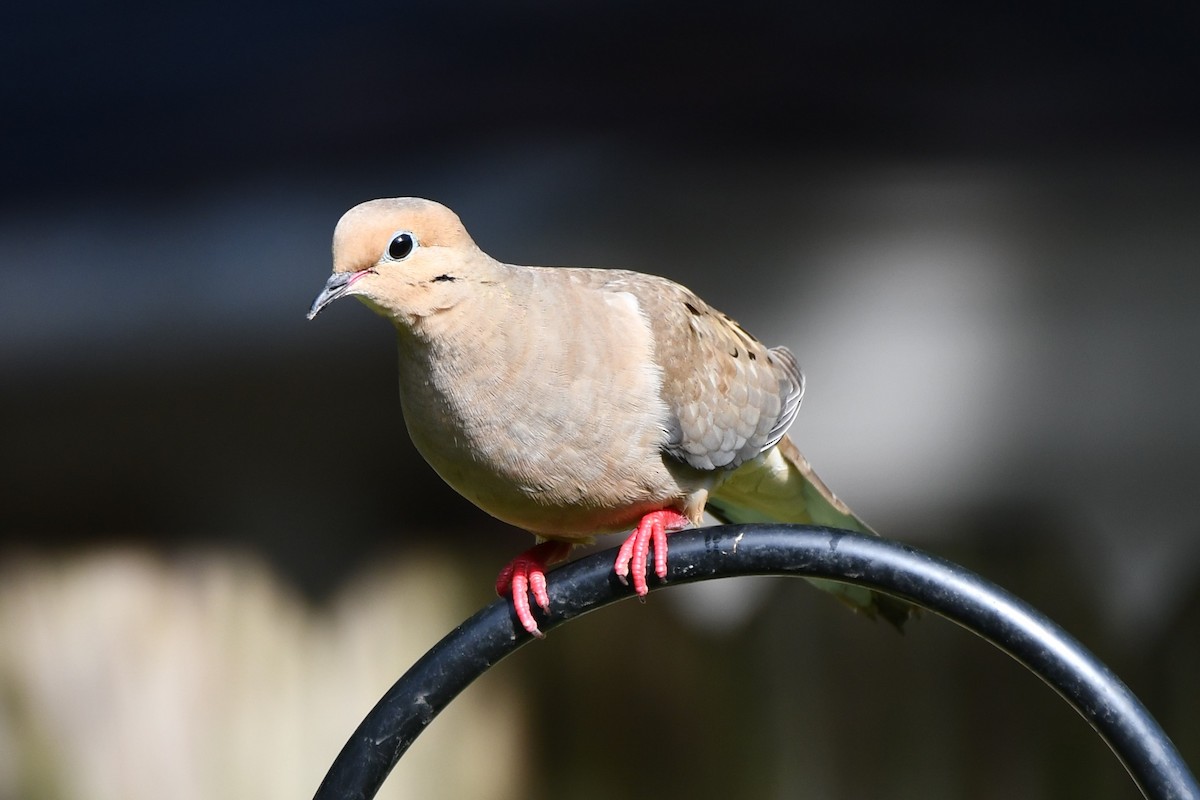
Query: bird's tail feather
(782,487)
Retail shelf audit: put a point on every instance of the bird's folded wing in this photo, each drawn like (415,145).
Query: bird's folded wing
(730,397)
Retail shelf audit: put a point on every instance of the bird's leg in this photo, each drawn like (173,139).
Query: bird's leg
(527,573)
(634,554)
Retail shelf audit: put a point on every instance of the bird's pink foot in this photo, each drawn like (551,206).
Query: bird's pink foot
(634,554)
(527,573)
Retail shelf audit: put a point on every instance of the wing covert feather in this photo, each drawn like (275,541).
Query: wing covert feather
(731,397)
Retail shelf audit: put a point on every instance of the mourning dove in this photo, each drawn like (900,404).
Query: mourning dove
(573,402)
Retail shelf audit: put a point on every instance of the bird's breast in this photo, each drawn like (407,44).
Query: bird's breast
(550,418)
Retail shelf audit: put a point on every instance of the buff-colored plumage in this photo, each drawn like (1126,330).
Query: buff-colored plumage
(572,402)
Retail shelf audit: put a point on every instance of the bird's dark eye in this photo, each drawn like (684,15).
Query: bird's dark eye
(401,246)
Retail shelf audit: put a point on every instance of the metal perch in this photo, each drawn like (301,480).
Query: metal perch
(799,550)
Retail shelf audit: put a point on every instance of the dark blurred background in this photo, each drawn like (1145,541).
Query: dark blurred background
(977,227)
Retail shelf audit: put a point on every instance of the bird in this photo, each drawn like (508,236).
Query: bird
(574,402)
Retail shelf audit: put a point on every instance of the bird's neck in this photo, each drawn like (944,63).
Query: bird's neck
(461,344)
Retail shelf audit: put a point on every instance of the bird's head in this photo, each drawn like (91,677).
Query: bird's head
(404,257)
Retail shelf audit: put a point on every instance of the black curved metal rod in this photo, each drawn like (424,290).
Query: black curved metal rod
(942,587)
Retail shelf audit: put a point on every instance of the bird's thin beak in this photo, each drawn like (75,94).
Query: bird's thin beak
(335,287)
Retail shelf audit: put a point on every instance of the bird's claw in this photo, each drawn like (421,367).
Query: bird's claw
(525,575)
(634,554)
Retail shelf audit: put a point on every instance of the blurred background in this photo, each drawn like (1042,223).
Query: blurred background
(978,228)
